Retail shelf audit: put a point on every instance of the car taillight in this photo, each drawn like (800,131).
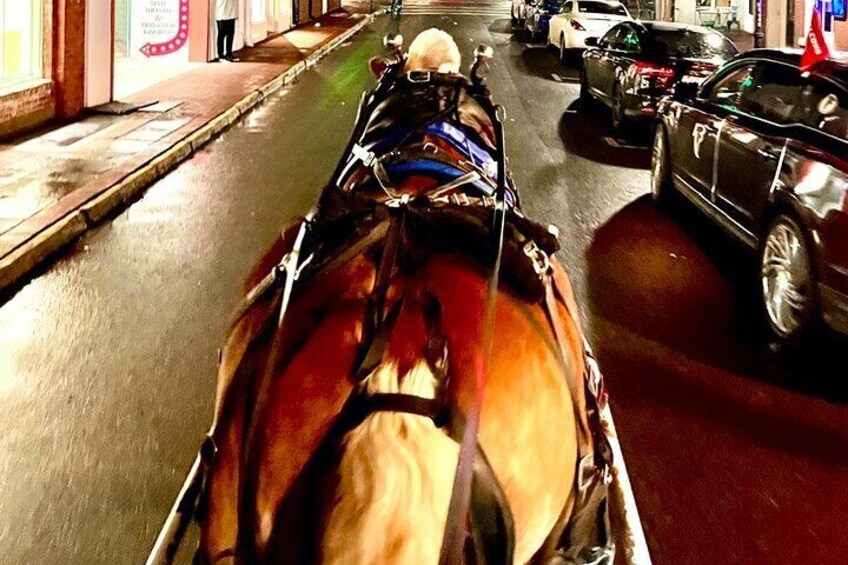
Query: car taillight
(701,69)
(576,25)
(652,75)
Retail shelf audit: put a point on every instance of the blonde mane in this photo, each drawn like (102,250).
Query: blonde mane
(433,50)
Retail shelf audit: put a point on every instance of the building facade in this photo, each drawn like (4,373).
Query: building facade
(58,57)
(784,23)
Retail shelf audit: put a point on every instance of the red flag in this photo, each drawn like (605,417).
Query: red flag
(816,49)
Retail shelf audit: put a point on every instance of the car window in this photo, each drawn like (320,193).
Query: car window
(772,94)
(688,43)
(568,7)
(608,40)
(727,91)
(628,40)
(822,105)
(606,8)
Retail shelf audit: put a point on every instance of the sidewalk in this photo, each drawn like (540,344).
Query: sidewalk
(57,183)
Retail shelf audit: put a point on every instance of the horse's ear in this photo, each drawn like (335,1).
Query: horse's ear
(378,65)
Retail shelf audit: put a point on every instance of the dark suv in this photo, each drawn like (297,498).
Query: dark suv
(762,148)
(636,63)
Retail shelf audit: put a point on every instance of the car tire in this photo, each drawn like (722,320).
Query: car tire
(618,118)
(563,54)
(661,185)
(787,281)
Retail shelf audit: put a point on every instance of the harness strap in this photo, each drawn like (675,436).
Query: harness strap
(256,405)
(578,396)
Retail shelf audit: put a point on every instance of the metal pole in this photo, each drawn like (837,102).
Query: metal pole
(173,530)
(759,18)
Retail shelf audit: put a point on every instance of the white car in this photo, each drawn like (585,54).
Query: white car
(580,19)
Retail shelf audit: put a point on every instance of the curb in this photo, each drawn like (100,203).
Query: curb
(631,543)
(24,258)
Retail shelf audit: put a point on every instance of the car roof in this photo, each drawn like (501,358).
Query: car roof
(835,68)
(674,26)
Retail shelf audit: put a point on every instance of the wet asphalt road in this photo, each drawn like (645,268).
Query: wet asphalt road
(737,452)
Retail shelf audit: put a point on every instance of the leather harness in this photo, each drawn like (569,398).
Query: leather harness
(475,204)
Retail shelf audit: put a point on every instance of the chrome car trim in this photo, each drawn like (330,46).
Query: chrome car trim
(702,202)
(715,158)
(776,180)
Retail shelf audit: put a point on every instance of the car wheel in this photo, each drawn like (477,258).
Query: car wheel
(562,51)
(617,116)
(787,282)
(660,168)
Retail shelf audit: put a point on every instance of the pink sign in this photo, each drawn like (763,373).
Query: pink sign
(169,26)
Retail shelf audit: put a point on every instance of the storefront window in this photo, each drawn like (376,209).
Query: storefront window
(20,40)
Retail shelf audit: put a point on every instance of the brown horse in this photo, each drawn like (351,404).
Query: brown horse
(292,479)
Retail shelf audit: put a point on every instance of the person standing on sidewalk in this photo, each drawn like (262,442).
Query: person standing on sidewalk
(226,13)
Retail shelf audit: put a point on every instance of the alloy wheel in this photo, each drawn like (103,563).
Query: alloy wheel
(786,279)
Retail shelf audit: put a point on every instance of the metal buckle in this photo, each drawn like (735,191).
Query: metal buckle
(418,77)
(403,200)
(461,199)
(359,152)
(540,259)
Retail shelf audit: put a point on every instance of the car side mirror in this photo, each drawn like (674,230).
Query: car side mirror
(591,42)
(685,90)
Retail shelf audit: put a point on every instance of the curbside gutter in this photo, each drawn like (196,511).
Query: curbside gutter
(23,259)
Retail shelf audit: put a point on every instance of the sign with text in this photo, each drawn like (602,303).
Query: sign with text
(159,27)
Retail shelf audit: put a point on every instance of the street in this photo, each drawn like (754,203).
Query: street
(735,448)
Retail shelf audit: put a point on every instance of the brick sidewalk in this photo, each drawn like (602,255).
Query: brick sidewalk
(57,183)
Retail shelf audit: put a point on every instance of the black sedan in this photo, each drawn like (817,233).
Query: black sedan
(635,63)
(762,148)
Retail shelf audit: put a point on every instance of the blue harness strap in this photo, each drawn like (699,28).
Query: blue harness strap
(451,134)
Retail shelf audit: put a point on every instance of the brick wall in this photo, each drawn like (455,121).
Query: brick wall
(69,57)
(26,109)
(303,11)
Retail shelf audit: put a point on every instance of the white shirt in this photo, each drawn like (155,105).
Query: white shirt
(226,9)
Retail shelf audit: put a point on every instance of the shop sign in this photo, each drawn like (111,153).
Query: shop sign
(160,27)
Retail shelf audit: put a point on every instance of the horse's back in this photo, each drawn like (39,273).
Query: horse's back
(527,424)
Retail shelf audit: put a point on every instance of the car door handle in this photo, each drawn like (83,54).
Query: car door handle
(767,154)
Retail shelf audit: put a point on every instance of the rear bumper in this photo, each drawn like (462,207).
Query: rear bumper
(834,308)
(640,105)
(575,39)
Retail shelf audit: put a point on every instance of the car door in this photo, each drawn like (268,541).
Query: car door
(698,126)
(752,143)
(614,57)
(594,61)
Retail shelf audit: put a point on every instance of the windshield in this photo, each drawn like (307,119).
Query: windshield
(687,43)
(608,8)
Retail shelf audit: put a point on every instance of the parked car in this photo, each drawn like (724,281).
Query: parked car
(762,149)
(537,15)
(580,19)
(636,63)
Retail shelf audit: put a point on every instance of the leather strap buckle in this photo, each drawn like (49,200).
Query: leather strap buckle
(541,261)
(418,77)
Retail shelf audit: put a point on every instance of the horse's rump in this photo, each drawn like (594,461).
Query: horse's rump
(325,338)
